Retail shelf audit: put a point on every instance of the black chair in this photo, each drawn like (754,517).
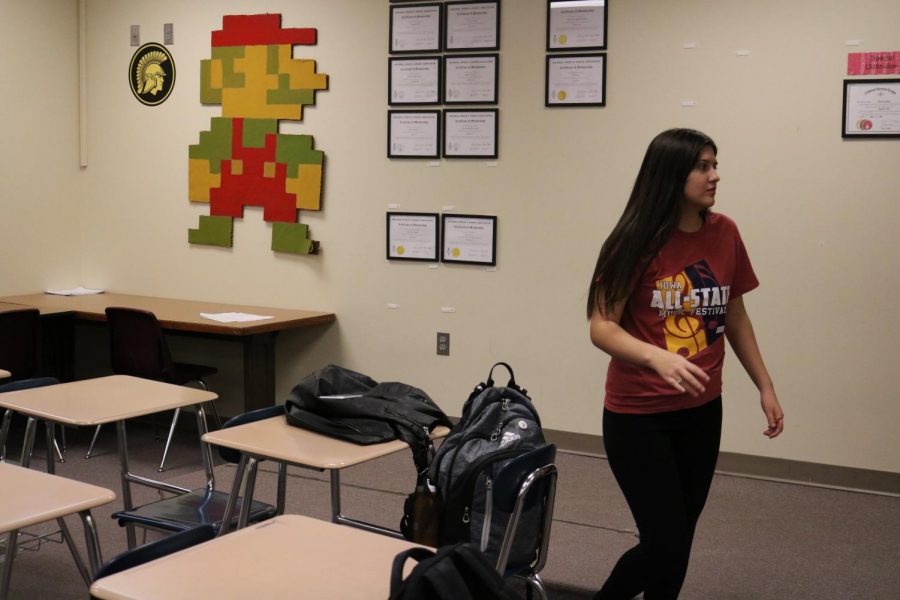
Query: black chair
(206,506)
(20,334)
(156,549)
(526,487)
(138,348)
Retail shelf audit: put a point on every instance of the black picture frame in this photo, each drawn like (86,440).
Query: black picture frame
(401,97)
(451,45)
(394,246)
(476,252)
(554,99)
(863,120)
(397,11)
(416,151)
(585,44)
(466,100)
(456,146)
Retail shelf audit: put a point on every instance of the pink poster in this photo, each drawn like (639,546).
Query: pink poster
(873,63)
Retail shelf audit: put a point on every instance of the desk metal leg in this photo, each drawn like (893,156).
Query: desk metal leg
(232,498)
(249,486)
(126,484)
(8,562)
(205,449)
(67,536)
(337,517)
(4,433)
(92,540)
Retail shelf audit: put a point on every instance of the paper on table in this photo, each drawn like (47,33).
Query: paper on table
(79,291)
(234,317)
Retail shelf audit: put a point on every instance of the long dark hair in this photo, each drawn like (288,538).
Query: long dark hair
(649,218)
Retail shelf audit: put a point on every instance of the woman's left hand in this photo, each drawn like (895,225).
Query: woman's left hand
(774,414)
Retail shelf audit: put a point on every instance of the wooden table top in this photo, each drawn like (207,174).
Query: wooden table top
(30,497)
(172,313)
(290,556)
(102,400)
(277,440)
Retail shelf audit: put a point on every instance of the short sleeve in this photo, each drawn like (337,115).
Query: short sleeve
(744,277)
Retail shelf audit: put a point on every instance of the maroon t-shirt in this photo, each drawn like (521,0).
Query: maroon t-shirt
(679,303)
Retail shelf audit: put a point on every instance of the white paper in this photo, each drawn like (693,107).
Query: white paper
(577,24)
(470,133)
(415,81)
(234,317)
(472,25)
(471,79)
(79,291)
(415,28)
(575,79)
(414,134)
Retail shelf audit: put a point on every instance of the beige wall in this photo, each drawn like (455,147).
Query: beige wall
(818,213)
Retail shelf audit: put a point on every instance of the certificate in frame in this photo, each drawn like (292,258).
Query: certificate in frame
(414,80)
(472,25)
(575,80)
(469,239)
(471,78)
(576,25)
(470,133)
(416,28)
(871,108)
(412,236)
(414,134)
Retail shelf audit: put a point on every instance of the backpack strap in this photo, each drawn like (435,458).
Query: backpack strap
(512,379)
(397,583)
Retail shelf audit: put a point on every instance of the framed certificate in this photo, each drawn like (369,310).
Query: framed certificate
(471,79)
(871,108)
(576,25)
(414,80)
(472,25)
(412,236)
(415,28)
(470,133)
(414,134)
(469,239)
(575,80)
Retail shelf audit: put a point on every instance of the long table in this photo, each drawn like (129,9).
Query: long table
(257,337)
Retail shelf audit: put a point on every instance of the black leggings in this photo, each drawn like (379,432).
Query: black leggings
(664,464)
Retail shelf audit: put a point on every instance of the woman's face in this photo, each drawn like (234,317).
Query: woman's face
(700,187)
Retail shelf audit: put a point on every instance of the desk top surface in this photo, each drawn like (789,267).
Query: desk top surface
(30,497)
(172,313)
(102,400)
(290,556)
(4,374)
(277,440)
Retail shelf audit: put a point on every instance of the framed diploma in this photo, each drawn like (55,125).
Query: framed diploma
(412,236)
(414,80)
(470,133)
(469,239)
(415,28)
(472,25)
(414,134)
(871,108)
(575,80)
(471,79)
(576,25)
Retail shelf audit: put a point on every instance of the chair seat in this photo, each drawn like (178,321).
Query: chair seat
(186,511)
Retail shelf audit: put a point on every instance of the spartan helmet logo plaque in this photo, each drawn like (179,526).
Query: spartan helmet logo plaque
(151,74)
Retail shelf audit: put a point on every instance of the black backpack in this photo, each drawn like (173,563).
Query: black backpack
(497,425)
(458,572)
(347,405)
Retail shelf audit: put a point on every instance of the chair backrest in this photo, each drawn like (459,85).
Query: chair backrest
(20,332)
(137,346)
(526,481)
(157,549)
(230,454)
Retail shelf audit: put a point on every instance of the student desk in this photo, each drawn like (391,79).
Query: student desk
(257,337)
(31,497)
(112,399)
(274,439)
(290,556)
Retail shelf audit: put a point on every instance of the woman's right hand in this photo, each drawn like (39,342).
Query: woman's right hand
(680,373)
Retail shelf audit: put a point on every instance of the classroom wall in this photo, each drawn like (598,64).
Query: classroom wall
(817,213)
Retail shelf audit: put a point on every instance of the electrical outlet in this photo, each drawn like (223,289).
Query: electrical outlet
(443,344)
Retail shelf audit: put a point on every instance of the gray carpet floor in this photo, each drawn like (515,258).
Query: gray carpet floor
(756,540)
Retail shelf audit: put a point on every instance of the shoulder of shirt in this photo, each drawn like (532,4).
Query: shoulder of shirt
(715,219)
